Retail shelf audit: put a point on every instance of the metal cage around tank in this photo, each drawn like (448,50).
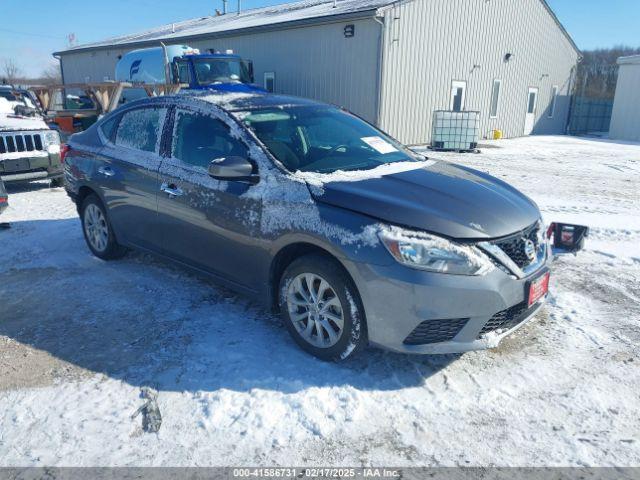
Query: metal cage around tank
(458,131)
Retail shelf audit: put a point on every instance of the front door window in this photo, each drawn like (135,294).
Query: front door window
(200,138)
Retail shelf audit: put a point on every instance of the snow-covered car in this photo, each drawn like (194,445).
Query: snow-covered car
(4,197)
(351,236)
(29,148)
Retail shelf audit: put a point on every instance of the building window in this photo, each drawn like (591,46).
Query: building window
(270,81)
(458,90)
(495,98)
(552,103)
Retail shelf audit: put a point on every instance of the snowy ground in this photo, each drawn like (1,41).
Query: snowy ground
(80,340)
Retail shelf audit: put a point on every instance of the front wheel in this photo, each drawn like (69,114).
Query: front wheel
(97,230)
(321,308)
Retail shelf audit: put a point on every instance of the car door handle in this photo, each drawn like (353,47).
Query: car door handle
(106,171)
(171,189)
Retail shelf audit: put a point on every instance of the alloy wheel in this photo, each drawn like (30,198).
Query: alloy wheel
(95,225)
(315,310)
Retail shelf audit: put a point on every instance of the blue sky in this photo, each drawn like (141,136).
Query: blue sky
(35,30)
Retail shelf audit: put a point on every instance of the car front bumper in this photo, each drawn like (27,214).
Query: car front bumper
(461,313)
(32,166)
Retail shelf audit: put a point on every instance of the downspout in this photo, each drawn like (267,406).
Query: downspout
(572,78)
(380,80)
(57,57)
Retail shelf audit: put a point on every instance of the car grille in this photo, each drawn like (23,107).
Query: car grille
(507,319)
(27,142)
(514,246)
(435,331)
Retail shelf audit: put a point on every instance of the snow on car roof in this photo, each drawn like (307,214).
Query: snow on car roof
(245,100)
(256,17)
(231,101)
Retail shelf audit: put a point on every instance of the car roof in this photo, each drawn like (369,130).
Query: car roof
(230,101)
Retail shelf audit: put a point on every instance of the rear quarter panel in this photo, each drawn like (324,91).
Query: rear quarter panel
(82,162)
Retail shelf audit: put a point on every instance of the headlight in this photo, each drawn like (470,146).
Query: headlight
(435,254)
(51,137)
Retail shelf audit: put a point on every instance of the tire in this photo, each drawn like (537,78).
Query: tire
(56,182)
(100,239)
(309,322)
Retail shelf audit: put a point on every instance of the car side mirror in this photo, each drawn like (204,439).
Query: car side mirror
(233,169)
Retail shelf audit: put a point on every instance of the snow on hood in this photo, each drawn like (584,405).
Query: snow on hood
(11,122)
(7,106)
(320,179)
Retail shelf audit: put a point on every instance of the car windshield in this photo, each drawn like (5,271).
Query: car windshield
(323,139)
(215,70)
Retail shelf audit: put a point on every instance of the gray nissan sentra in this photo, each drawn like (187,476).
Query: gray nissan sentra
(351,236)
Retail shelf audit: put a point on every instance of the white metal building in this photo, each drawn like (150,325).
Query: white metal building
(392,63)
(625,118)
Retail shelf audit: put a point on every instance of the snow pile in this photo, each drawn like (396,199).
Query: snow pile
(6,106)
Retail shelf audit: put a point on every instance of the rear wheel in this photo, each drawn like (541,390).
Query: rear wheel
(321,308)
(97,230)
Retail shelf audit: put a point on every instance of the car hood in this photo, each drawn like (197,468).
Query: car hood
(14,123)
(442,198)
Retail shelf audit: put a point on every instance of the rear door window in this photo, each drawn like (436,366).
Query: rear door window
(199,138)
(141,129)
(109,128)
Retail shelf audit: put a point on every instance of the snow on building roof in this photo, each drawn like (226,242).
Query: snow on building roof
(232,21)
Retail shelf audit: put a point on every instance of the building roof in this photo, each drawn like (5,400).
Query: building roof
(630,60)
(304,11)
(310,10)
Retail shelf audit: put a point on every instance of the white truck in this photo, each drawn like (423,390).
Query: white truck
(29,148)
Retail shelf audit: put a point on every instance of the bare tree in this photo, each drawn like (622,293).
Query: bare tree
(10,70)
(51,74)
(598,71)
